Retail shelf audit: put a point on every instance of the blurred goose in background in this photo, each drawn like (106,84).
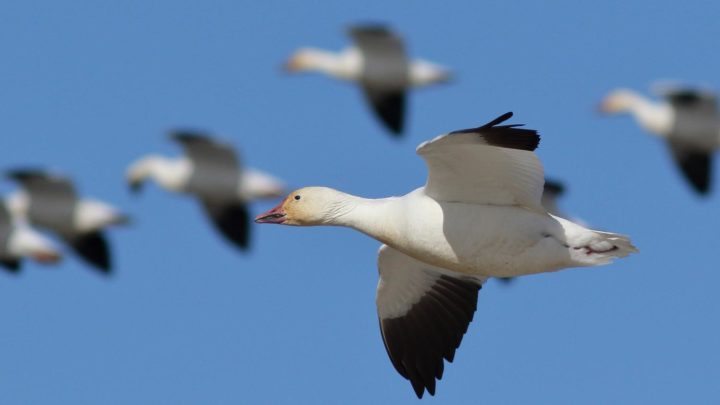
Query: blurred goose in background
(18,241)
(479,215)
(50,201)
(211,171)
(687,119)
(552,190)
(378,62)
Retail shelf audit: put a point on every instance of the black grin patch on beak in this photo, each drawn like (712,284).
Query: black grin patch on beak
(272,218)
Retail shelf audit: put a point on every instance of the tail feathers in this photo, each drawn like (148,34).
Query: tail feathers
(602,248)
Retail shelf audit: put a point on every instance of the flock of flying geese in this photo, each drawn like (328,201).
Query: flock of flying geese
(485,210)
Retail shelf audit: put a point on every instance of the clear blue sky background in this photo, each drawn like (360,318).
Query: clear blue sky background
(88,86)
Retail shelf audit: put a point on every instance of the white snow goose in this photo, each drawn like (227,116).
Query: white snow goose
(212,172)
(18,241)
(687,119)
(479,215)
(50,201)
(379,63)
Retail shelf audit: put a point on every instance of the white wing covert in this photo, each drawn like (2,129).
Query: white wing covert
(491,164)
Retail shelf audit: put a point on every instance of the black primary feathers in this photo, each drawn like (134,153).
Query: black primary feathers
(93,248)
(418,341)
(232,220)
(695,165)
(505,136)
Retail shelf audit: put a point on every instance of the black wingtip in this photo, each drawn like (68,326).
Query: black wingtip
(554,187)
(396,129)
(505,136)
(10,265)
(26,173)
(418,388)
(701,189)
(233,221)
(389,108)
(417,341)
(189,135)
(93,249)
(696,167)
(377,28)
(498,120)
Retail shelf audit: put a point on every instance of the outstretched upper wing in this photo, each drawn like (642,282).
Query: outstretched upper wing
(216,167)
(52,198)
(41,184)
(492,164)
(204,150)
(424,312)
(688,97)
(385,63)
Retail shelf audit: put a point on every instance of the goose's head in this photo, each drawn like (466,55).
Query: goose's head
(305,207)
(304,59)
(618,101)
(138,172)
(344,65)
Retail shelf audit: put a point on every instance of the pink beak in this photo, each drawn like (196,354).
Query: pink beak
(274,216)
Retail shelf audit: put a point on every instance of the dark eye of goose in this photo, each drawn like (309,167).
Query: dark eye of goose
(297,197)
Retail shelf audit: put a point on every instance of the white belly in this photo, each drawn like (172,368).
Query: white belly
(496,241)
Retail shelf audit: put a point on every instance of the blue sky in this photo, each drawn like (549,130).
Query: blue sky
(88,86)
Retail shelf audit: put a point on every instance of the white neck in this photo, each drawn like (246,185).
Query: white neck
(653,116)
(171,174)
(369,216)
(343,65)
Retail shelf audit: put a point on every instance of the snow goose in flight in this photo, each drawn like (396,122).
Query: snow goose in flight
(212,172)
(50,201)
(378,62)
(687,119)
(18,241)
(479,215)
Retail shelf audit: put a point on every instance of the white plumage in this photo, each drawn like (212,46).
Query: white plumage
(478,216)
